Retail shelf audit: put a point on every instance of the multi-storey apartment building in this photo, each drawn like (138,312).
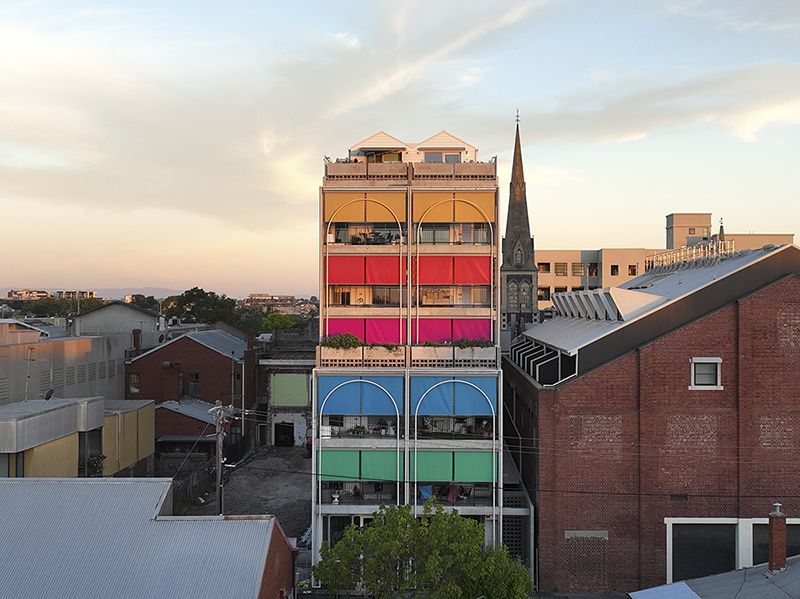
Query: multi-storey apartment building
(409,266)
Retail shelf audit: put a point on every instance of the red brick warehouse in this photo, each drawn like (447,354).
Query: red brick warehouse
(657,420)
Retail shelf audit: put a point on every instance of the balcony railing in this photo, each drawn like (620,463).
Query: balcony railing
(418,356)
(404,171)
(456,494)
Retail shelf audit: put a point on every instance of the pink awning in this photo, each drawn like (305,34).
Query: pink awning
(337,326)
(385,330)
(434,330)
(472,328)
(473,270)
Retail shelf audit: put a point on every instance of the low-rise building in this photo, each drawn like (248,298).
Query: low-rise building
(119,538)
(75,437)
(654,420)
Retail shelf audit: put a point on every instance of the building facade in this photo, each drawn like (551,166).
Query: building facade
(655,421)
(518,274)
(409,266)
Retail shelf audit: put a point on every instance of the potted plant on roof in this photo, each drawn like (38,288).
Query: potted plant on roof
(474,350)
(384,354)
(341,347)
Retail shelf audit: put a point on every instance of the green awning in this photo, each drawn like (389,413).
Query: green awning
(434,466)
(473,467)
(337,465)
(289,390)
(380,465)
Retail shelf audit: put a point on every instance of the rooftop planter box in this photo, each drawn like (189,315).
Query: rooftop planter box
(476,357)
(433,169)
(387,357)
(347,357)
(432,356)
(475,169)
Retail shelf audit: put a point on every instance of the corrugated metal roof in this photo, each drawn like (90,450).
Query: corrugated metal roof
(571,333)
(101,538)
(220,341)
(113,406)
(193,408)
(751,583)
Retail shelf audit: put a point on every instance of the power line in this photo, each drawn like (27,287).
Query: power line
(202,434)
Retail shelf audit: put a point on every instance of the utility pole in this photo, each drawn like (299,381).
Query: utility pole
(220,418)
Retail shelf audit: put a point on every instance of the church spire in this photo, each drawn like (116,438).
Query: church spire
(517,243)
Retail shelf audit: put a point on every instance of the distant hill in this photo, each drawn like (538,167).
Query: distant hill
(110,292)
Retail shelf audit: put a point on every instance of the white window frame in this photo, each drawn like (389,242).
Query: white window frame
(705,360)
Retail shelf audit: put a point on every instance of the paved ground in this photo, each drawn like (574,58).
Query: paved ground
(274,481)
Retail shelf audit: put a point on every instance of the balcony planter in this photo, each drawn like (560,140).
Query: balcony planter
(379,355)
(432,356)
(476,355)
(331,356)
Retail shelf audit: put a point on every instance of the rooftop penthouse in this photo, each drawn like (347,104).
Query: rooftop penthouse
(440,160)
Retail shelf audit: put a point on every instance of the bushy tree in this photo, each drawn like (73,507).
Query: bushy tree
(199,305)
(279,322)
(440,555)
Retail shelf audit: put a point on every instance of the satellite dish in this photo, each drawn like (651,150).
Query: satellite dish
(49,395)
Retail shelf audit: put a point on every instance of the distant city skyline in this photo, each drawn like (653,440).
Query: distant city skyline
(151,145)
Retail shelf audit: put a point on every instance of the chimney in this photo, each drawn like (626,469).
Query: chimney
(137,338)
(250,338)
(777,539)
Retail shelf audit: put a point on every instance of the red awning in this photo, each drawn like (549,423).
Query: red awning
(386,270)
(385,330)
(473,270)
(346,270)
(435,270)
(471,328)
(338,326)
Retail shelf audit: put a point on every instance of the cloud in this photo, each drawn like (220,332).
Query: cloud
(771,16)
(348,40)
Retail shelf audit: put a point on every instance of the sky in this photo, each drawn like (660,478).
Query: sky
(179,144)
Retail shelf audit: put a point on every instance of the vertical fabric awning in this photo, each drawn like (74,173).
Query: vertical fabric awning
(392,206)
(375,401)
(386,270)
(473,466)
(436,206)
(472,270)
(432,466)
(433,330)
(433,270)
(471,328)
(438,401)
(338,465)
(385,330)
(470,401)
(340,207)
(345,270)
(345,400)
(338,326)
(288,389)
(379,465)
(468,213)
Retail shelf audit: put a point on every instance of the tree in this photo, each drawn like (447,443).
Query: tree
(199,305)
(148,302)
(277,322)
(440,555)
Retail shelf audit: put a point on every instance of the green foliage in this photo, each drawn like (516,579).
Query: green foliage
(61,307)
(389,346)
(439,555)
(462,343)
(342,341)
(199,305)
(280,322)
(148,302)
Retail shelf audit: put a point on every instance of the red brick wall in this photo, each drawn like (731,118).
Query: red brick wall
(172,423)
(162,384)
(628,444)
(279,568)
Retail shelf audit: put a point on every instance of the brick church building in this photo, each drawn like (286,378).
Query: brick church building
(655,424)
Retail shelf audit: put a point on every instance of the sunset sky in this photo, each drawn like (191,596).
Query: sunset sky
(180,144)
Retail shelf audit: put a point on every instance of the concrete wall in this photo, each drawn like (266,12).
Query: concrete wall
(56,458)
(119,319)
(628,444)
(110,445)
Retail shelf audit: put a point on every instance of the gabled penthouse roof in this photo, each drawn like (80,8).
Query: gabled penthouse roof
(221,342)
(597,325)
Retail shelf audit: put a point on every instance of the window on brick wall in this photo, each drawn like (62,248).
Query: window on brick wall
(633,269)
(194,384)
(561,269)
(614,270)
(133,383)
(706,373)
(544,267)
(577,269)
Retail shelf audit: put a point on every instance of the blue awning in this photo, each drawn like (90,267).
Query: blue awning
(375,401)
(345,400)
(470,401)
(438,399)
